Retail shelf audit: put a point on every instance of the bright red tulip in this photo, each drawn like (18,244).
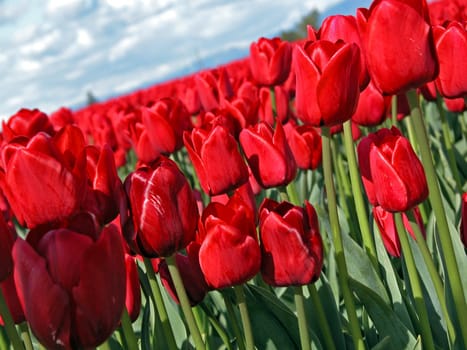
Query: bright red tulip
(305,144)
(163,212)
(340,27)
(398,42)
(451,46)
(291,245)
(387,228)
(79,281)
(27,123)
(372,107)
(392,174)
(270,61)
(327,81)
(216,159)
(41,183)
(282,109)
(133,288)
(268,155)
(230,253)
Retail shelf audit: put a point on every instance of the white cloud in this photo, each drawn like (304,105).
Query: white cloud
(61,49)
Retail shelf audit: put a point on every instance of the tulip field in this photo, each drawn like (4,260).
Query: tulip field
(312,195)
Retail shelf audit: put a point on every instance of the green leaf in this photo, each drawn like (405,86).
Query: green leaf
(384,318)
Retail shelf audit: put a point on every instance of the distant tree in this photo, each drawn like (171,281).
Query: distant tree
(90,98)
(299,31)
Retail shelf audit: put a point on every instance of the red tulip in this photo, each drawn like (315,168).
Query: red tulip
(7,238)
(163,210)
(133,288)
(281,100)
(291,245)
(398,42)
(392,174)
(268,155)
(42,183)
(340,27)
(463,225)
(451,46)
(327,78)
(191,274)
(27,123)
(79,281)
(10,295)
(388,231)
(372,107)
(455,105)
(305,144)
(216,159)
(213,88)
(270,61)
(230,253)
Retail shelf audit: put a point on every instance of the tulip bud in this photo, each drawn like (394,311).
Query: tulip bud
(291,245)
(392,174)
(163,212)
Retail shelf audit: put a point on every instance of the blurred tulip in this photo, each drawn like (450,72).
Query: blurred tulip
(216,159)
(268,155)
(392,174)
(27,123)
(229,253)
(398,43)
(270,61)
(163,212)
(327,78)
(291,245)
(191,274)
(305,144)
(451,46)
(387,228)
(281,101)
(80,305)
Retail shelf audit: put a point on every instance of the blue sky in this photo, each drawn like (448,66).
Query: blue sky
(54,51)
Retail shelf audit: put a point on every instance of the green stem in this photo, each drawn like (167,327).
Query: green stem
(241,302)
(234,323)
(272,96)
(130,337)
(9,324)
(436,201)
(338,244)
(436,279)
(427,337)
(184,302)
(159,305)
(26,336)
(322,320)
(394,110)
(357,192)
(104,346)
(292,194)
(302,322)
(448,145)
(217,326)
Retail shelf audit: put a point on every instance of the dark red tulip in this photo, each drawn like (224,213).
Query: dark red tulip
(191,274)
(463,225)
(270,61)
(451,44)
(80,305)
(387,228)
(268,154)
(163,210)
(398,43)
(392,174)
(7,238)
(133,288)
(327,81)
(305,144)
(10,295)
(230,253)
(291,245)
(216,159)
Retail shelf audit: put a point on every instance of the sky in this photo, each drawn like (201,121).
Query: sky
(52,52)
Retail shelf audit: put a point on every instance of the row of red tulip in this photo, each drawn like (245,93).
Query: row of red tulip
(247,126)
